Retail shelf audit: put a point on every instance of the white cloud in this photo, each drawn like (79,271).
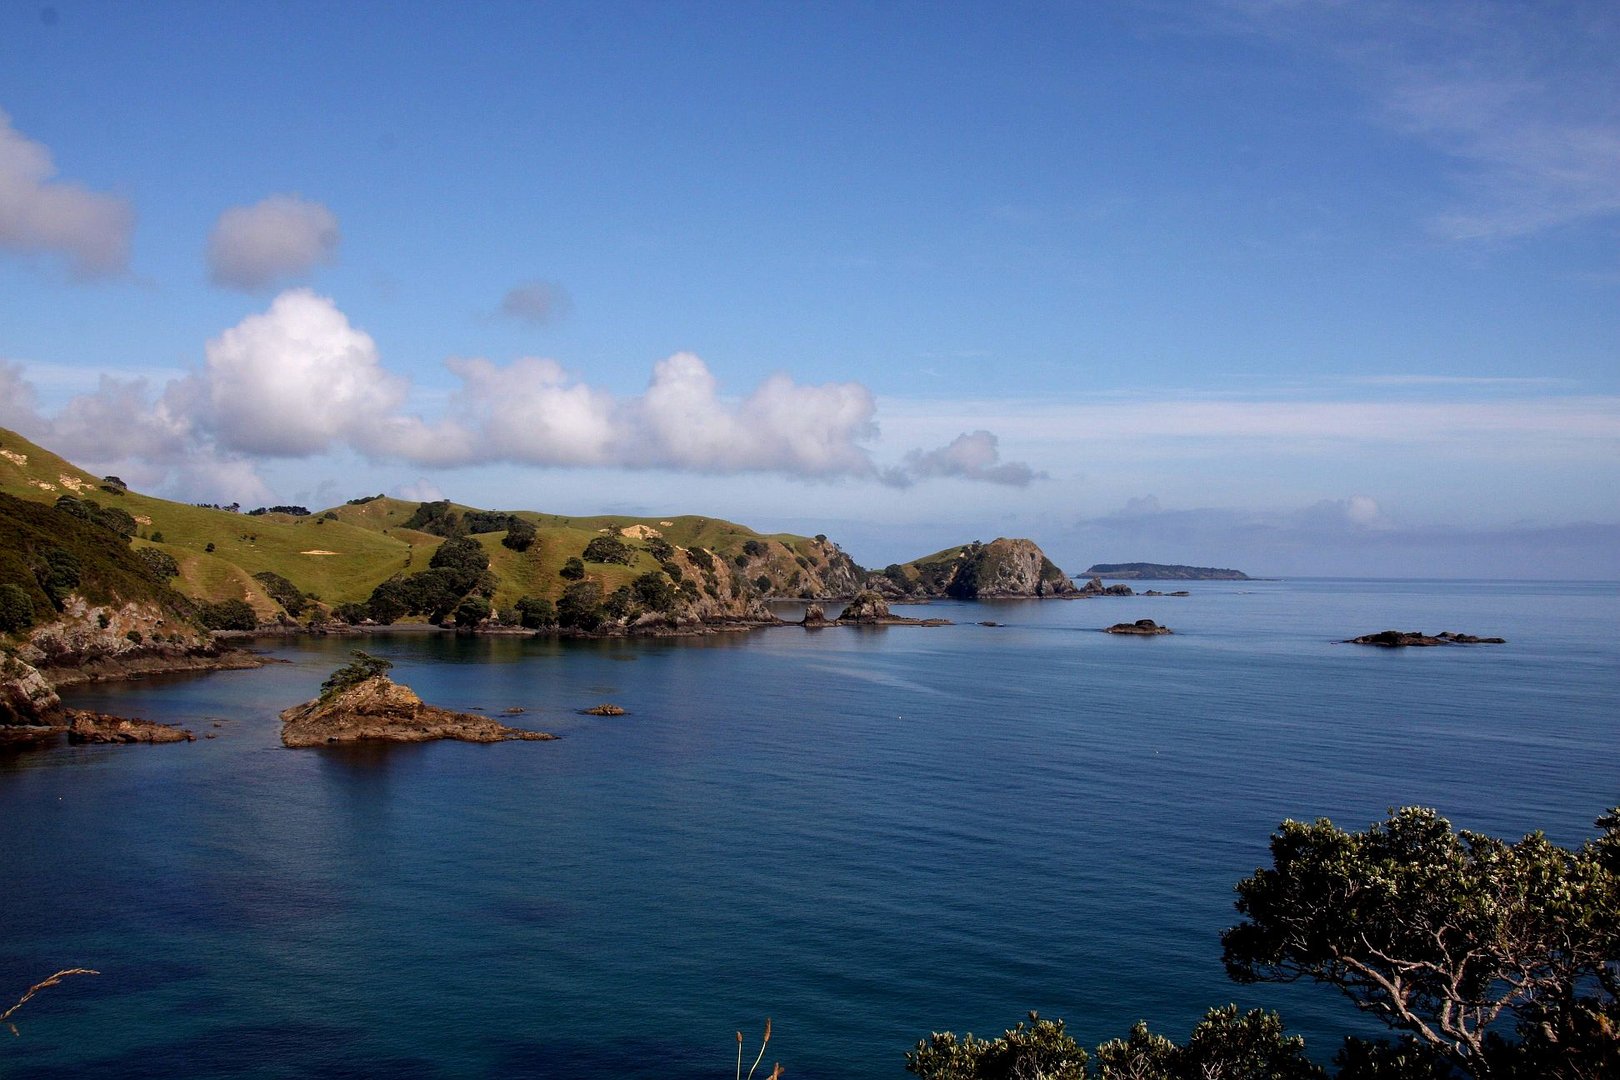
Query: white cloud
(292,381)
(533,411)
(39,215)
(1519,97)
(420,490)
(537,302)
(19,408)
(972,455)
(280,237)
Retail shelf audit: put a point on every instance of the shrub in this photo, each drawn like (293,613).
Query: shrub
(228,615)
(58,575)
(572,570)
(660,549)
(16,609)
(701,558)
(364,666)
(134,635)
(282,591)
(209,547)
(351,613)
(461,554)
(754,549)
(160,563)
(762,583)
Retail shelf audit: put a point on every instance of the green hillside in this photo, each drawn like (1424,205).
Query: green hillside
(333,561)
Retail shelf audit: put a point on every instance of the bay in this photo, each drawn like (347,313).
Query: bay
(865,833)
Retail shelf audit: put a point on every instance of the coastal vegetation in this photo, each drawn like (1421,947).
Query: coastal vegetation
(1487,959)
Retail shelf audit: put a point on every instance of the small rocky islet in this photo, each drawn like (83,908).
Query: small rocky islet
(1400,639)
(377,709)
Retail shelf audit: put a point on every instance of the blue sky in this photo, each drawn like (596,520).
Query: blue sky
(1305,288)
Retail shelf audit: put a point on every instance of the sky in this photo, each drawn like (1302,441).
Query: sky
(1301,288)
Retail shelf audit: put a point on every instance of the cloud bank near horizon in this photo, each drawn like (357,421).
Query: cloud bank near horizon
(299,380)
(41,215)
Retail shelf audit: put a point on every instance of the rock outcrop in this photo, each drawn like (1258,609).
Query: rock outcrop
(1141,628)
(1003,568)
(1398,639)
(380,710)
(1095,587)
(89,727)
(866,607)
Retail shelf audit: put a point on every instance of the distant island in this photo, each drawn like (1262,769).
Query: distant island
(1151,571)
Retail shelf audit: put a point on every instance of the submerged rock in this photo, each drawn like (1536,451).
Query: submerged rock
(379,709)
(1141,627)
(1397,639)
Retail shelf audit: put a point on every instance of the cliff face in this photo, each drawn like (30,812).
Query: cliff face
(381,710)
(1002,568)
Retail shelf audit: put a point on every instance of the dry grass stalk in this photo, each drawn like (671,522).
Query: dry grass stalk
(60,975)
(766,1041)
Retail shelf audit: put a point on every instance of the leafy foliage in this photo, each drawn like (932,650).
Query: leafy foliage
(654,592)
(112,518)
(520,535)
(1444,934)
(572,570)
(282,592)
(535,614)
(364,666)
(295,511)
(580,607)
(228,615)
(1040,1048)
(16,609)
(47,555)
(609,549)
(159,563)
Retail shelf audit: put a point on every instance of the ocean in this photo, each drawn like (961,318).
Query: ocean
(866,834)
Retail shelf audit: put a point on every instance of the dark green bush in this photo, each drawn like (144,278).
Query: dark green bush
(228,615)
(16,609)
(609,549)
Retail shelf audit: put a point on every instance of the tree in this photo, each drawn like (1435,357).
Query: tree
(535,613)
(364,666)
(472,611)
(1039,1049)
(1443,935)
(609,549)
(281,591)
(652,590)
(580,607)
(572,570)
(519,535)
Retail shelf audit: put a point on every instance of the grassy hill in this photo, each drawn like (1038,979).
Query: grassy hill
(340,555)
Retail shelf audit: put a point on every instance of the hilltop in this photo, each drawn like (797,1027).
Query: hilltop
(1001,568)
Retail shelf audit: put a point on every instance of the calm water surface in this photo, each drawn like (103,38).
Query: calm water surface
(867,834)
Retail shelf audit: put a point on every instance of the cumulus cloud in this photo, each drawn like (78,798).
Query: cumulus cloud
(1358,512)
(281,237)
(974,455)
(537,302)
(40,215)
(19,408)
(298,379)
(292,381)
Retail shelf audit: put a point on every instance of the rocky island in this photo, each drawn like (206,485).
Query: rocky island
(1132,571)
(1399,639)
(360,703)
(866,608)
(1140,628)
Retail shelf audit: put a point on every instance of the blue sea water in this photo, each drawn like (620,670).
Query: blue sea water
(866,834)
